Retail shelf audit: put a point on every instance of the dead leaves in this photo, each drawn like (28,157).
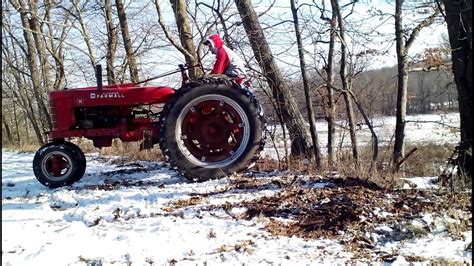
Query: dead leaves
(347,209)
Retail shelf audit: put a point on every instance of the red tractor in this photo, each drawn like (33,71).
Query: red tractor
(209,128)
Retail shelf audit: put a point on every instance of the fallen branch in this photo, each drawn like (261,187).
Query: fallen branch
(406,157)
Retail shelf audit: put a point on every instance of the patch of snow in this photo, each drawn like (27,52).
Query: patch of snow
(238,210)
(427,218)
(319,184)
(436,247)
(325,200)
(384,228)
(426,182)
(417,223)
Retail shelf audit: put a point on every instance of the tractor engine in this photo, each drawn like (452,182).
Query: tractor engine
(101,116)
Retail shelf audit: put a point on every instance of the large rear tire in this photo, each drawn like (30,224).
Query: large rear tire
(211,128)
(58,164)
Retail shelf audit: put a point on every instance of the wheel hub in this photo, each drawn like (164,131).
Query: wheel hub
(211,131)
(57,165)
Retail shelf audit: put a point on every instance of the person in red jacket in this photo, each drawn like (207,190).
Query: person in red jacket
(227,61)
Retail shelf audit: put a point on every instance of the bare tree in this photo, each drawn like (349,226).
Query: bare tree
(459,20)
(112,42)
(330,92)
(186,36)
(40,46)
(291,114)
(78,11)
(84,32)
(35,72)
(14,86)
(346,86)
(186,42)
(131,57)
(304,75)
(402,47)
(56,44)
(328,99)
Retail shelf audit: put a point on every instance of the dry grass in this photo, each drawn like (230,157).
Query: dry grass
(427,160)
(181,203)
(26,147)
(128,150)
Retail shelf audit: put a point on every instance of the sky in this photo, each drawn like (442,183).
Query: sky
(379,30)
(281,38)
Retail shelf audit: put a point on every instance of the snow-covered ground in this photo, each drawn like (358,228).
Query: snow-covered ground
(131,224)
(142,213)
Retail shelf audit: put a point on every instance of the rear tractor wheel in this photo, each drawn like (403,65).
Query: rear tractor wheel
(211,129)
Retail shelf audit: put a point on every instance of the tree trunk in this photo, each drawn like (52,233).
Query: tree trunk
(329,87)
(186,37)
(112,41)
(7,128)
(41,50)
(17,127)
(46,84)
(309,104)
(402,87)
(27,131)
(345,85)
(459,21)
(300,145)
(57,49)
(375,140)
(131,57)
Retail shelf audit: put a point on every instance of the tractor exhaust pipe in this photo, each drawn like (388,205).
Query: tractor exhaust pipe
(98,76)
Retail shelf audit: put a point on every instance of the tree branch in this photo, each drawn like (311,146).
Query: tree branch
(168,35)
(425,23)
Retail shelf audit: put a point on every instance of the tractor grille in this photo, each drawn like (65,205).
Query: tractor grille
(52,113)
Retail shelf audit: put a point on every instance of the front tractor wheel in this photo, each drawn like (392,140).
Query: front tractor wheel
(211,130)
(59,164)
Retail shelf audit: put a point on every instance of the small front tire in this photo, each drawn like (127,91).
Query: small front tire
(58,164)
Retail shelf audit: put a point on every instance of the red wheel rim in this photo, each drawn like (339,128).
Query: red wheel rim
(212,130)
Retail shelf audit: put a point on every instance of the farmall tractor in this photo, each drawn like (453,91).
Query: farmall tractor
(209,128)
